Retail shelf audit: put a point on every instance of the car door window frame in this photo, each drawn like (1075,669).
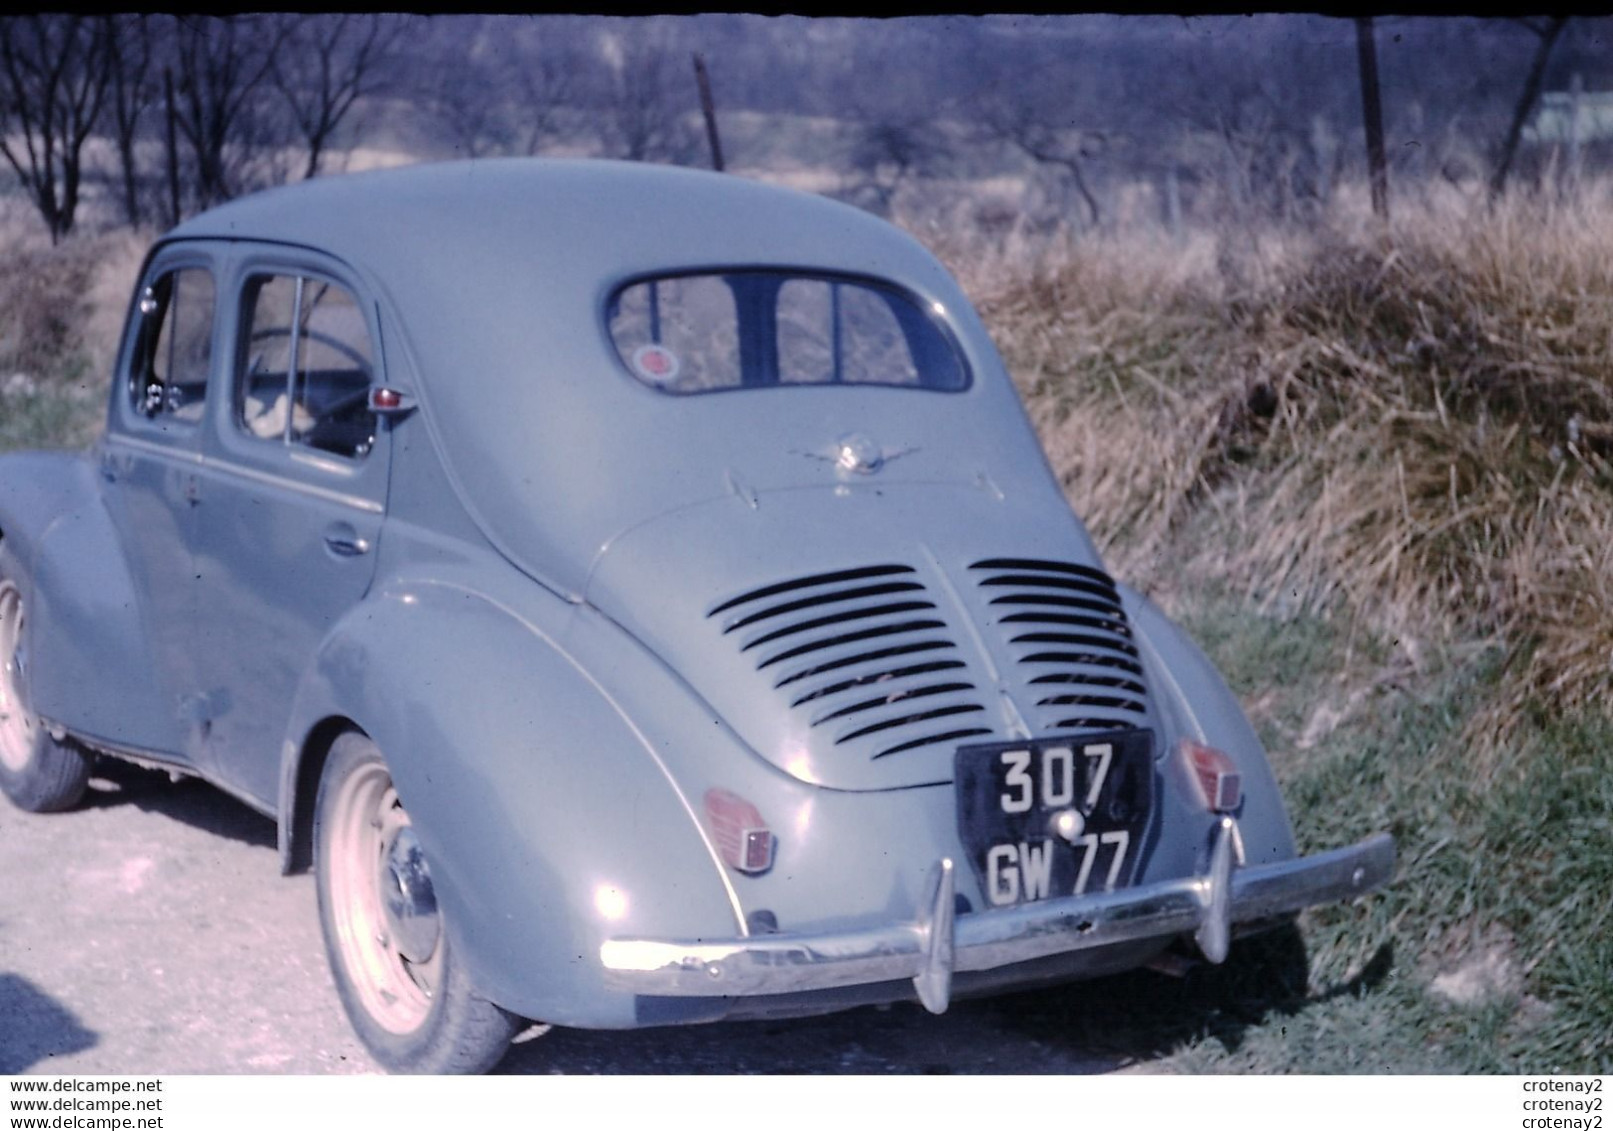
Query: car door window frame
(167,429)
(358,480)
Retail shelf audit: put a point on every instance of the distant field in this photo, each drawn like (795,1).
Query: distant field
(1372,471)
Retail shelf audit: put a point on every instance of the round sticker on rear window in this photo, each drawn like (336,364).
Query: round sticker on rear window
(656,363)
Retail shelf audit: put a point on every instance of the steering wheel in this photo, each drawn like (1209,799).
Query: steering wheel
(343,403)
(320,336)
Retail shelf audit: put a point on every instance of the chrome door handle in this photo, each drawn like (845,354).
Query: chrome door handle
(343,541)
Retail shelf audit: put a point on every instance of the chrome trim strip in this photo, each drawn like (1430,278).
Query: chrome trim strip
(257,475)
(296,486)
(152,447)
(1206,906)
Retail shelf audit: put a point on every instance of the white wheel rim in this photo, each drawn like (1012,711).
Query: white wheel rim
(17,726)
(367,817)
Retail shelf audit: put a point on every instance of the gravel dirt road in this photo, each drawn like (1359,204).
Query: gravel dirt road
(151,932)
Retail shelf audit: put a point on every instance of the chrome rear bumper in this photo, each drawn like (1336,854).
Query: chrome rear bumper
(935,945)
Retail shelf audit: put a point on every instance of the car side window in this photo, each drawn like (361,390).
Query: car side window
(168,378)
(305,366)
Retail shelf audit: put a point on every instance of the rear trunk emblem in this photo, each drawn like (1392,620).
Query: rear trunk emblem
(857,452)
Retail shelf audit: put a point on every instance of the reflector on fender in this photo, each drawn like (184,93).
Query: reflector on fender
(389,402)
(1220,784)
(741,835)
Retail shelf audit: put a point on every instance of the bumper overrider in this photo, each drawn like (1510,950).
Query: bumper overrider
(936,944)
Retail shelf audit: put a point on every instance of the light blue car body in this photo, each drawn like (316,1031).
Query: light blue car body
(527,631)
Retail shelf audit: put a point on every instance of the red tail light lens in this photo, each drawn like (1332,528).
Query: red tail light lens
(742,837)
(1220,784)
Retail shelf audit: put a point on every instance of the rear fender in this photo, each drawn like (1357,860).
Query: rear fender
(1196,703)
(89,665)
(549,821)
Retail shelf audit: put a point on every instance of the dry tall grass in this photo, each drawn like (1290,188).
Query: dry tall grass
(1414,426)
(61,313)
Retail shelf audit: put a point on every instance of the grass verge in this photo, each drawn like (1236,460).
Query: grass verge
(1488,953)
(1373,472)
(1493,941)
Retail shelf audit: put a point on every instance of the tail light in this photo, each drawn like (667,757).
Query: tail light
(1220,784)
(742,837)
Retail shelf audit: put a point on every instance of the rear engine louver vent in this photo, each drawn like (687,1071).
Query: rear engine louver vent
(1067,632)
(864,653)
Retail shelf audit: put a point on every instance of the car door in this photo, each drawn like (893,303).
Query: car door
(150,462)
(291,495)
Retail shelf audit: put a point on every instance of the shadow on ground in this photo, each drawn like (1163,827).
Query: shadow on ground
(1089,1026)
(189,800)
(1141,1015)
(901,1039)
(36,1028)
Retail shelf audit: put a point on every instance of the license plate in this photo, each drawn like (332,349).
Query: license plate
(1055,817)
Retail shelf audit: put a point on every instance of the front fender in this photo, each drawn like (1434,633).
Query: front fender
(549,821)
(89,659)
(36,489)
(1196,703)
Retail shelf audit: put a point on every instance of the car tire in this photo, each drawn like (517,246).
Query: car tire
(38,772)
(407,996)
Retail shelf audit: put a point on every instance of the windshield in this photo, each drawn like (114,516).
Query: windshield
(747,329)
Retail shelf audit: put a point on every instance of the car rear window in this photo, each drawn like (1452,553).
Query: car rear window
(696,333)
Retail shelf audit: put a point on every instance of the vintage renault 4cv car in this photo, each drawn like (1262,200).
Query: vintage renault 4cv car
(639,595)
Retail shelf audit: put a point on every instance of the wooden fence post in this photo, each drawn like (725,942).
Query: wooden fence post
(707,108)
(1372,113)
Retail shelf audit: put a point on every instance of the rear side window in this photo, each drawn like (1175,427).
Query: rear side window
(754,329)
(305,366)
(175,348)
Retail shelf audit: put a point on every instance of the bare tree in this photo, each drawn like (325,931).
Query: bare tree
(134,91)
(886,152)
(55,77)
(1546,31)
(648,91)
(1249,133)
(549,83)
(473,122)
(460,74)
(223,65)
(328,64)
(1050,144)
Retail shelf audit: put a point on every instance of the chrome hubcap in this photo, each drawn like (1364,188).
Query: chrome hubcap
(388,929)
(16,723)
(407,895)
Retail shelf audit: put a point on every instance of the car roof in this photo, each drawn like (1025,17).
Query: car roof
(589,217)
(496,275)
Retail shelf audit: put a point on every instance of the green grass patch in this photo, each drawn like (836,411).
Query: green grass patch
(1491,950)
(48,417)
